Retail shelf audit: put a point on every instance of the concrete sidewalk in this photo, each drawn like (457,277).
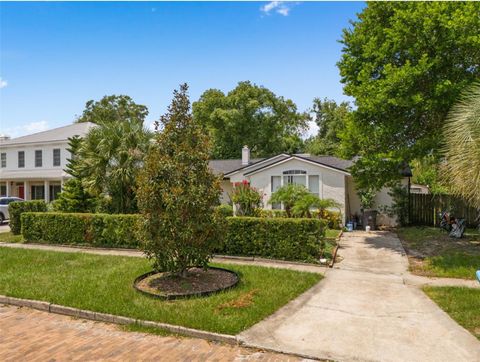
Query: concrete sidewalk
(364,311)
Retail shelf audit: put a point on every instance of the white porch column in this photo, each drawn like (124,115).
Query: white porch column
(8,183)
(26,190)
(46,190)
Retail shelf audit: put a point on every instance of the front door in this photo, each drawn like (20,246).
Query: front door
(21,192)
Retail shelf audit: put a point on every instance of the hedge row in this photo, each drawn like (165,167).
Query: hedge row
(15,209)
(85,229)
(277,238)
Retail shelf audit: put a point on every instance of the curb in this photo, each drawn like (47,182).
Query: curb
(337,239)
(110,318)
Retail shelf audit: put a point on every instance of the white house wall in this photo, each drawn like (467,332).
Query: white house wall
(332,183)
(382,199)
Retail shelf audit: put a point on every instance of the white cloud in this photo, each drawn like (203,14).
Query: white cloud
(3,83)
(32,127)
(279,7)
(312,129)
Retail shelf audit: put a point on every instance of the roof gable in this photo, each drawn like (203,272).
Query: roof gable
(52,135)
(332,166)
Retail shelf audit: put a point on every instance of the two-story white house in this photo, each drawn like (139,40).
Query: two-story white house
(32,167)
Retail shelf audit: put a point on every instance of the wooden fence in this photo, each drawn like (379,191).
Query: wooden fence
(426,209)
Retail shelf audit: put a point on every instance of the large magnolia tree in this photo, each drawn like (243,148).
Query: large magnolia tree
(462,146)
(178,192)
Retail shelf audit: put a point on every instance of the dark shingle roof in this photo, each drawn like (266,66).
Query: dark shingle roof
(330,161)
(226,166)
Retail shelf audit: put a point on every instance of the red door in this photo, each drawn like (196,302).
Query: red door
(21,192)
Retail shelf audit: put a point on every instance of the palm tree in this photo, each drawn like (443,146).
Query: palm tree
(462,146)
(110,157)
(288,195)
(310,201)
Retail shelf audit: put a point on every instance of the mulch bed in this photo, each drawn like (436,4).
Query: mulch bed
(197,282)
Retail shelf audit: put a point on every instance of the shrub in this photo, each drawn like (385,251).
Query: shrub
(271,213)
(288,195)
(332,218)
(246,199)
(79,228)
(15,209)
(224,210)
(277,238)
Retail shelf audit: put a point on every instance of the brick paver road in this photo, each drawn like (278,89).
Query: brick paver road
(31,335)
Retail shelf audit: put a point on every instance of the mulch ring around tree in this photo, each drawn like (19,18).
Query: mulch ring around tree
(198,282)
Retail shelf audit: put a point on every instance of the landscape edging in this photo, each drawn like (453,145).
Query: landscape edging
(110,318)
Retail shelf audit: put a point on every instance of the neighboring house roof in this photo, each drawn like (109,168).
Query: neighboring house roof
(229,167)
(52,135)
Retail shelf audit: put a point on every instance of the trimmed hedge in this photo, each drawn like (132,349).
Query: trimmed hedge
(277,238)
(16,208)
(78,228)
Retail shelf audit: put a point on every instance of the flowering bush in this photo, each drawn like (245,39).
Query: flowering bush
(246,199)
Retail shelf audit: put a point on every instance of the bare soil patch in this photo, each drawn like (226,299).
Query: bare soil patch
(198,282)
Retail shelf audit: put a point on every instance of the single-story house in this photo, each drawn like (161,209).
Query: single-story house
(325,176)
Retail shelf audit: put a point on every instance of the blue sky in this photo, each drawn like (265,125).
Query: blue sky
(56,56)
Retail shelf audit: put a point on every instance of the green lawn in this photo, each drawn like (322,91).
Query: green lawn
(462,304)
(10,238)
(104,284)
(433,253)
(332,233)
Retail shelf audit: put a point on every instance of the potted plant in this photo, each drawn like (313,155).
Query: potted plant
(367,201)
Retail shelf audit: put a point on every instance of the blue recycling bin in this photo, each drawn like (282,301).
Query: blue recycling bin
(478,275)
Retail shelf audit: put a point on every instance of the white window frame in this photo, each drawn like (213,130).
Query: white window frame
(307,182)
(3,161)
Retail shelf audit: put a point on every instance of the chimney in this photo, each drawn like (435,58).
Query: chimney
(4,137)
(245,155)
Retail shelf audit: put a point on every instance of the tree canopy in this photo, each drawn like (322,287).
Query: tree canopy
(249,115)
(113,109)
(330,118)
(405,63)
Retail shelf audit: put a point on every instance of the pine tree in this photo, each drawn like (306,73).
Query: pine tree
(74,197)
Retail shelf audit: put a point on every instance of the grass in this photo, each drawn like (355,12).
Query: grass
(433,253)
(8,237)
(104,284)
(332,233)
(462,304)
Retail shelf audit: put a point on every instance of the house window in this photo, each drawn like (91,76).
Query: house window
(21,159)
(37,192)
(56,157)
(54,191)
(38,158)
(276,183)
(298,177)
(3,157)
(314,184)
(3,190)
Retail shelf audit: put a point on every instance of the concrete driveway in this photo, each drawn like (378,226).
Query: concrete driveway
(364,311)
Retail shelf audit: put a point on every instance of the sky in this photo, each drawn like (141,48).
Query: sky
(56,56)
